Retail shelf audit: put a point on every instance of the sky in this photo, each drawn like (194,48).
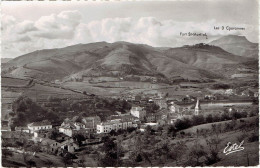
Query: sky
(30,26)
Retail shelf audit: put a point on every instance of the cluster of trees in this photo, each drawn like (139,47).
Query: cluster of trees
(185,123)
(112,153)
(220,86)
(27,111)
(152,108)
(65,105)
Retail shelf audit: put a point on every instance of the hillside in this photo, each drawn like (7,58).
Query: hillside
(120,59)
(237,45)
(5,60)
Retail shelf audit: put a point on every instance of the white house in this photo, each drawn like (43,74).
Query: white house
(138,112)
(106,127)
(43,125)
(68,129)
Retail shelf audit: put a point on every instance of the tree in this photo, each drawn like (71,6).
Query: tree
(54,134)
(49,163)
(68,158)
(197,119)
(36,147)
(112,155)
(178,151)
(213,142)
(225,116)
(138,158)
(171,131)
(209,118)
(212,158)
(81,160)
(79,138)
(196,152)
(181,124)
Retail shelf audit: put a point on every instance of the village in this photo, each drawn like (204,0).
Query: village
(76,132)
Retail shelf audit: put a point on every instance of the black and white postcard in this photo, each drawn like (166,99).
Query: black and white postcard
(130,83)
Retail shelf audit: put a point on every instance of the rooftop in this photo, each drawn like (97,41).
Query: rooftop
(41,123)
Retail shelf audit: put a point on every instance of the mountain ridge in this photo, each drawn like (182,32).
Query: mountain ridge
(122,59)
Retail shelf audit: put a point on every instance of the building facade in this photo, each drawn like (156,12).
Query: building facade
(35,126)
(107,127)
(138,112)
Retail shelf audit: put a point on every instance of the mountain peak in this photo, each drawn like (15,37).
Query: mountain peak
(238,45)
(231,39)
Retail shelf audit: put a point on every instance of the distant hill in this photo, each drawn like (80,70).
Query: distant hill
(120,59)
(5,60)
(237,45)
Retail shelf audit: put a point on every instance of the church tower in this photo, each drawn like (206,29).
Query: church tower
(196,112)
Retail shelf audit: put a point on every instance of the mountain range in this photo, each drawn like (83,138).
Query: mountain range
(219,59)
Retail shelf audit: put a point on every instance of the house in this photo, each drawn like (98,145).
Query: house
(91,123)
(152,125)
(229,92)
(49,145)
(151,117)
(123,117)
(160,102)
(248,92)
(79,125)
(172,118)
(209,97)
(5,126)
(138,112)
(42,134)
(68,129)
(69,145)
(43,125)
(22,129)
(174,108)
(162,115)
(10,135)
(108,126)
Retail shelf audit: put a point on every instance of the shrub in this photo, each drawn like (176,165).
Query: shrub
(182,124)
(209,118)
(216,118)
(253,137)
(225,116)
(212,158)
(138,158)
(197,120)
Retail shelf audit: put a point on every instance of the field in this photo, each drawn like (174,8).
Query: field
(16,82)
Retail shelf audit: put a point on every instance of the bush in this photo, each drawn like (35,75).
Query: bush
(197,120)
(212,158)
(225,116)
(138,158)
(253,137)
(182,124)
(209,118)
(216,118)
